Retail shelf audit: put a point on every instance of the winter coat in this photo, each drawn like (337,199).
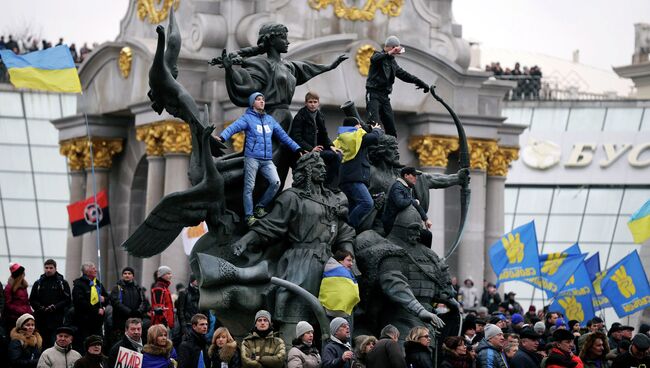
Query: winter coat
(559,359)
(23,351)
(400,196)
(229,353)
(190,350)
(46,291)
(128,301)
(187,305)
(303,356)
(164,313)
(91,361)
(357,169)
(58,357)
(16,302)
(86,314)
(418,355)
(155,356)
(382,72)
(525,359)
(626,360)
(259,130)
(452,360)
(489,357)
(332,353)
(309,133)
(270,349)
(491,302)
(595,363)
(386,354)
(469,296)
(124,343)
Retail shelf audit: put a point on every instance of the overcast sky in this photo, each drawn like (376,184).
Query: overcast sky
(603,30)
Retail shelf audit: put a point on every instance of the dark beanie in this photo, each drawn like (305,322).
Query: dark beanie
(128,268)
(350,121)
(93,340)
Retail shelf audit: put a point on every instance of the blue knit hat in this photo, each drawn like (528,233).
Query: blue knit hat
(252,97)
(516,318)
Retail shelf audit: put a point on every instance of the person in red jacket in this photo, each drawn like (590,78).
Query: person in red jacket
(162,307)
(16,297)
(561,355)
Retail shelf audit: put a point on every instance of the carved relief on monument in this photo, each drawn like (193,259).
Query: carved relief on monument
(480,152)
(501,159)
(363,58)
(77,151)
(124,61)
(433,150)
(366,13)
(153,11)
(152,136)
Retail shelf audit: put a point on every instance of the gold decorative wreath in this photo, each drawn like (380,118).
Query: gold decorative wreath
(124,61)
(363,59)
(392,8)
(147,9)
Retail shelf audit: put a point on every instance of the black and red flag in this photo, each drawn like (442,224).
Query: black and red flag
(84,215)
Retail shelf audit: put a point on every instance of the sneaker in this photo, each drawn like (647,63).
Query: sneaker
(250,220)
(259,212)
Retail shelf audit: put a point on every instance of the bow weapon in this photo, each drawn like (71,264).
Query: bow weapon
(463,163)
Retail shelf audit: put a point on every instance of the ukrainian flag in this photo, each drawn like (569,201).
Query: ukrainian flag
(639,224)
(349,141)
(47,70)
(339,292)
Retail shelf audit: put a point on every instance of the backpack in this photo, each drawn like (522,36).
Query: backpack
(160,312)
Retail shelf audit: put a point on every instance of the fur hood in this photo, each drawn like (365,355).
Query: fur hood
(32,341)
(225,353)
(157,350)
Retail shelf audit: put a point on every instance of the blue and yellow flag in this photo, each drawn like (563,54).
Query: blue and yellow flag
(349,141)
(47,70)
(626,285)
(639,224)
(592,264)
(339,292)
(515,256)
(556,269)
(575,299)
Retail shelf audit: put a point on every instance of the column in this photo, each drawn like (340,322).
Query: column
(152,136)
(496,178)
(103,150)
(471,249)
(433,152)
(74,155)
(177,145)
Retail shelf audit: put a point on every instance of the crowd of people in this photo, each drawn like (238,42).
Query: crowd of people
(529,80)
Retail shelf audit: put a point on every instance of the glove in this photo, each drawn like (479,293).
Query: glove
(427,316)
(424,86)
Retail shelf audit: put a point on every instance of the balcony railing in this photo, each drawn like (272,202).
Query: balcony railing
(532,87)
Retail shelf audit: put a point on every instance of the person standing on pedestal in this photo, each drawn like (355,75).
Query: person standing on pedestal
(379,85)
(258,153)
(50,298)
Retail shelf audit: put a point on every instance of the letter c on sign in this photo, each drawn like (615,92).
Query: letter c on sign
(633,157)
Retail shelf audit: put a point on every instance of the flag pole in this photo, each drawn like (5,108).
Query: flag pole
(92,171)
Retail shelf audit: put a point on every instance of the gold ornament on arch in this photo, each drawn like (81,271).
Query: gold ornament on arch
(124,61)
(363,59)
(153,11)
(366,13)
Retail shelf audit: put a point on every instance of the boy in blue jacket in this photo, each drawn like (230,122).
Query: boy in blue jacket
(259,128)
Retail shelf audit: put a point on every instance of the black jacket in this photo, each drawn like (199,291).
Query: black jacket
(358,169)
(190,349)
(400,196)
(23,352)
(418,355)
(309,133)
(386,354)
(525,359)
(86,314)
(626,360)
(332,353)
(125,343)
(382,72)
(91,361)
(128,301)
(46,291)
(187,305)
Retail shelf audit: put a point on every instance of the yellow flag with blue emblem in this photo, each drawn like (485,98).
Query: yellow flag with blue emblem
(515,256)
(626,285)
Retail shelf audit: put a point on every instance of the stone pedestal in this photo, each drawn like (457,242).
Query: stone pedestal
(436,213)
(155,190)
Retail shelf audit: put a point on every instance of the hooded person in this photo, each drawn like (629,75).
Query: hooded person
(25,346)
(263,347)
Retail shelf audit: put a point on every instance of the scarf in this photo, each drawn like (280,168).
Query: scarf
(346,344)
(137,344)
(94,291)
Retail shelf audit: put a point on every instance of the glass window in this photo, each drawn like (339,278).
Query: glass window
(53,214)
(534,200)
(551,247)
(645,123)
(633,199)
(604,201)
(619,251)
(42,105)
(524,291)
(20,213)
(33,266)
(14,158)
(42,132)
(24,242)
(54,243)
(12,130)
(519,116)
(11,105)
(592,248)
(569,200)
(3,242)
(586,119)
(562,228)
(50,186)
(69,104)
(549,120)
(16,185)
(507,223)
(48,159)
(4,271)
(540,223)
(622,233)
(597,228)
(623,119)
(510,199)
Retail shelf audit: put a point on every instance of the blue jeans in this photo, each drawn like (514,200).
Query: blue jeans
(360,201)
(270,173)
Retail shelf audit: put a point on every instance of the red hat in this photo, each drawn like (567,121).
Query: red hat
(16,269)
